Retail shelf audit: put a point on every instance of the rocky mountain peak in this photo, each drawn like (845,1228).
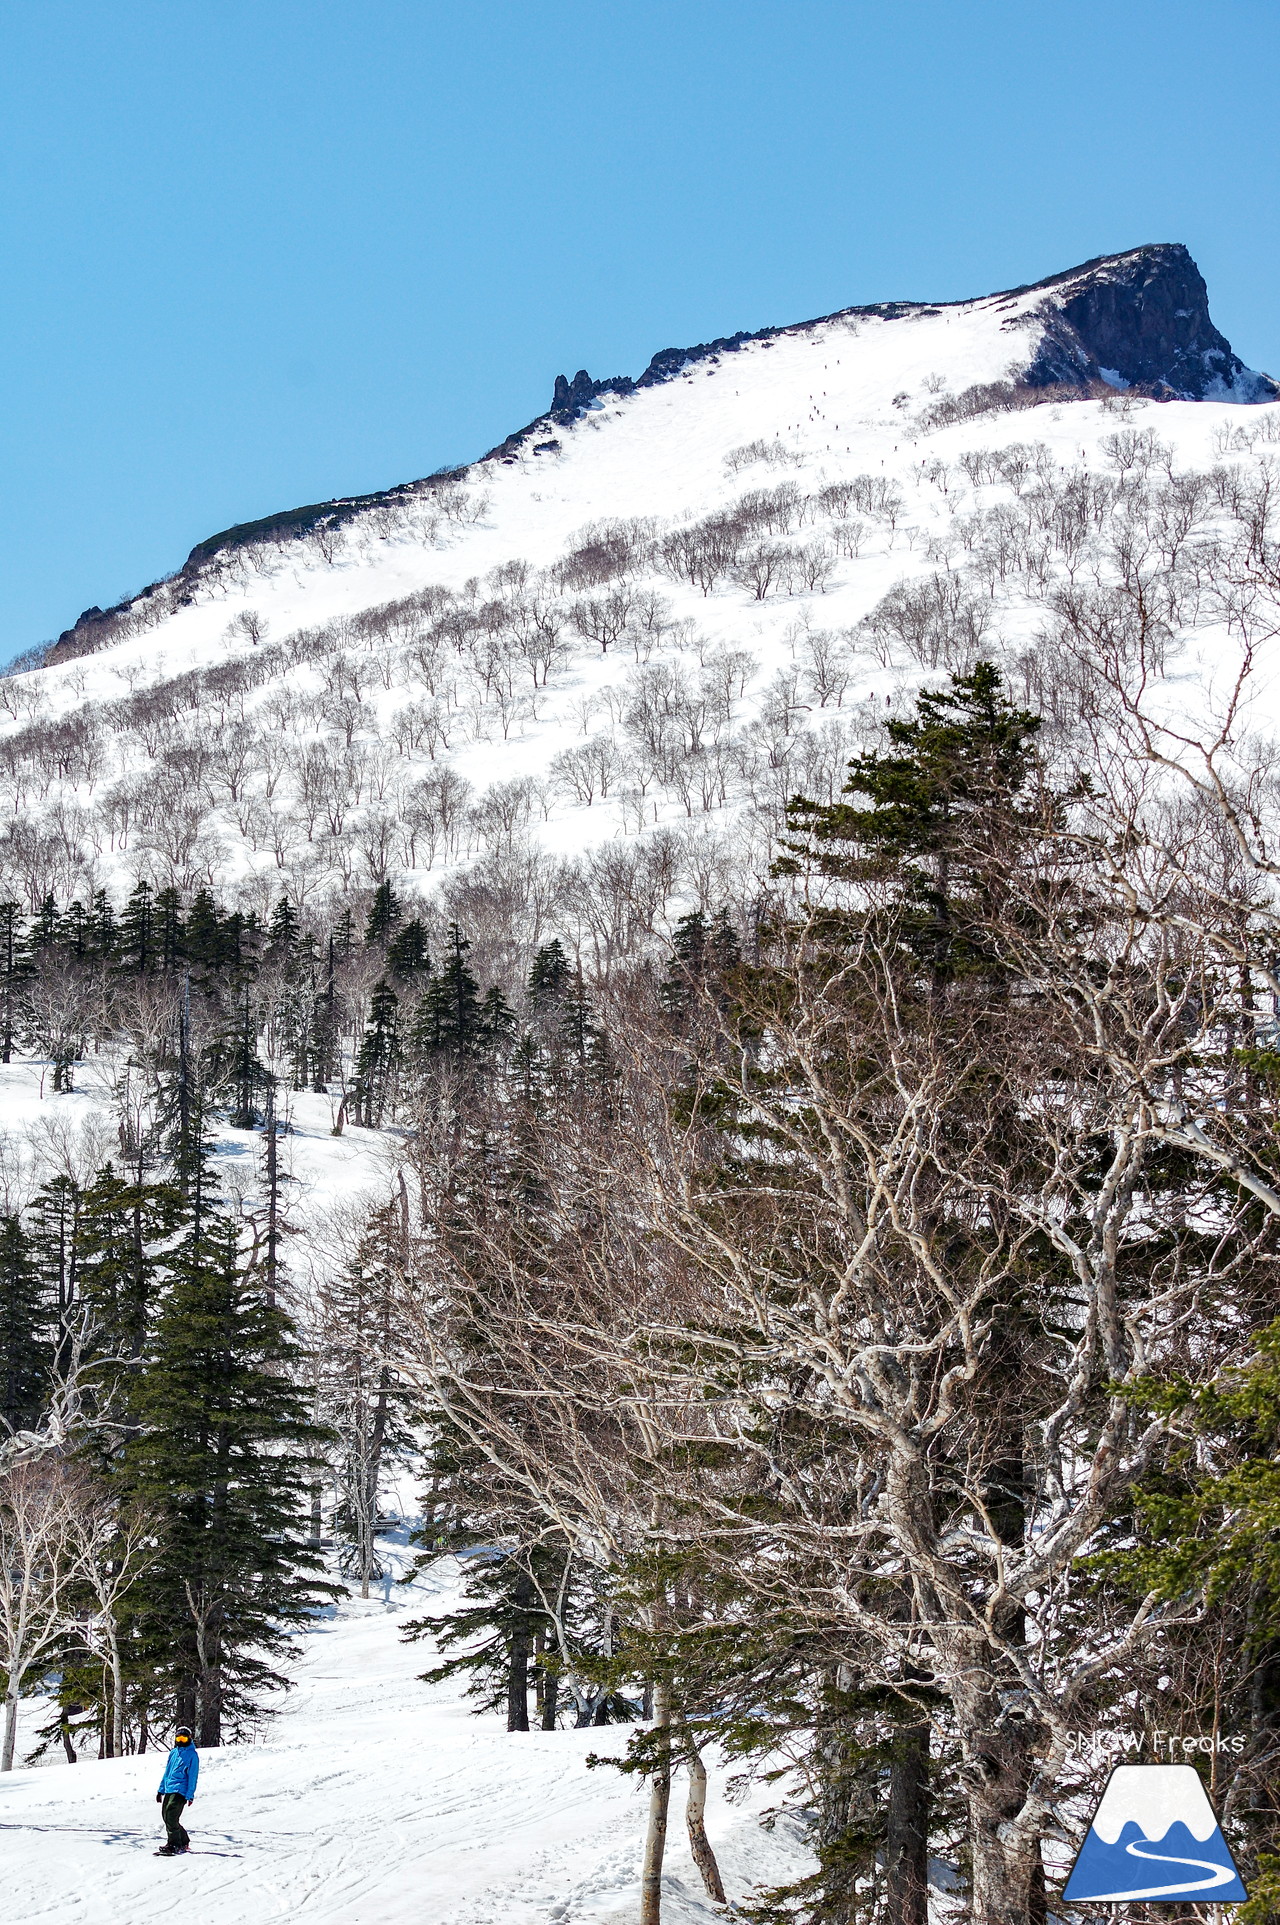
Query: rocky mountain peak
(1139,320)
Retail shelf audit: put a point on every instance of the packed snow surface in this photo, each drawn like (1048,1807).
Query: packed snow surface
(373,1799)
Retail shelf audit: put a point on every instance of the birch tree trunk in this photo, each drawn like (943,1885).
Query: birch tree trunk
(655,1842)
(1005,1853)
(117,1689)
(694,1815)
(10,1723)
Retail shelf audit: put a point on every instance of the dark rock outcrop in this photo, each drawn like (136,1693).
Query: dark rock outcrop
(1137,320)
(1140,320)
(572,398)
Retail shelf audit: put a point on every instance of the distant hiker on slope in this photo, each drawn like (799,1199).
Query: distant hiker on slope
(178,1788)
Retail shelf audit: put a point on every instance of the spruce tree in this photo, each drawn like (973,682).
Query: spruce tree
(497,1022)
(122,1226)
(702,952)
(240,1057)
(549,976)
(136,948)
(73,932)
(451,1019)
(283,931)
(203,939)
(55,1248)
(11,972)
(384,916)
(926,817)
(103,933)
(168,929)
(379,1056)
(407,957)
(26,1330)
(223,1457)
(42,932)
(500,1625)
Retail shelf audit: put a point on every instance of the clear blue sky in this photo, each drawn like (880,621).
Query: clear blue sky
(260,252)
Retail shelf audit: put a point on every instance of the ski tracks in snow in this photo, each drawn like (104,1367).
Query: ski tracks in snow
(374,1800)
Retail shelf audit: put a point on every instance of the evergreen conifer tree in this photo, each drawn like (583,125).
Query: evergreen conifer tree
(497,1022)
(43,930)
(73,932)
(136,948)
(283,931)
(379,1055)
(121,1228)
(203,940)
(549,976)
(452,1023)
(246,1072)
(26,1330)
(168,929)
(384,916)
(103,933)
(11,971)
(56,1250)
(701,952)
(928,814)
(223,1458)
(407,957)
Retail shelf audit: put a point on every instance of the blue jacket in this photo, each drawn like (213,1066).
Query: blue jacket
(181,1771)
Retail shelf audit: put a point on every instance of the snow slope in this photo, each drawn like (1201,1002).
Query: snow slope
(860,394)
(372,1800)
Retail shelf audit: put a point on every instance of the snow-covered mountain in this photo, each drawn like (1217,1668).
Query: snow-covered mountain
(567,690)
(657,610)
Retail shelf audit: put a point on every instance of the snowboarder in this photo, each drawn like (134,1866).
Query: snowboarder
(178,1788)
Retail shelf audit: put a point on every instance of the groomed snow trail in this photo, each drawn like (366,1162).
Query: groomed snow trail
(373,1800)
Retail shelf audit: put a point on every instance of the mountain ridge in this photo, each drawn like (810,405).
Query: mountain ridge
(1146,309)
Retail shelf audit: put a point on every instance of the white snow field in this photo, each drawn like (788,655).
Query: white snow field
(373,1799)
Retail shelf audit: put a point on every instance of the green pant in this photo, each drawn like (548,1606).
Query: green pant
(171,1811)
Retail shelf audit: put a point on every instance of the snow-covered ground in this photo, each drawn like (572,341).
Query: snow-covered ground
(373,1799)
(73,1133)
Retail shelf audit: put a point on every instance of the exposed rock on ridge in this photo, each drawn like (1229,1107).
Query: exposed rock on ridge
(1138,320)
(1144,317)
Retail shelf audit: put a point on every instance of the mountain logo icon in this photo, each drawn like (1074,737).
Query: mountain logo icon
(1154,1837)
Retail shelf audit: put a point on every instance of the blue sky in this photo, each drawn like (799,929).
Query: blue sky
(259,252)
